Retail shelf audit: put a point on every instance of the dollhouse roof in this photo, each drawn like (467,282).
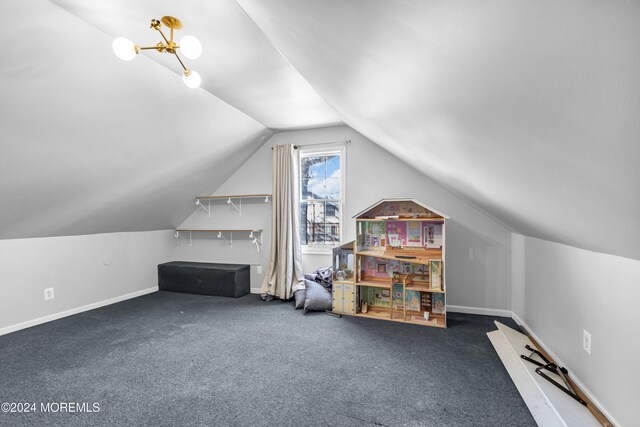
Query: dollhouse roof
(410,205)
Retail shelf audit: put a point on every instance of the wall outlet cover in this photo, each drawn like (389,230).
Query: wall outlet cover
(259,269)
(48,294)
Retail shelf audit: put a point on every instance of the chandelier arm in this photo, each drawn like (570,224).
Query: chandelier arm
(180,60)
(163,36)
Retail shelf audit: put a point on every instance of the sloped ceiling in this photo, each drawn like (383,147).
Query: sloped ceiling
(238,65)
(529,109)
(92,144)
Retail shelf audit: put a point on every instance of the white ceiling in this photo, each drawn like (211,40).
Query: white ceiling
(529,109)
(91,144)
(238,65)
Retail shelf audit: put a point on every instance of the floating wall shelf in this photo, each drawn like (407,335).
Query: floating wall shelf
(239,197)
(222,234)
(247,230)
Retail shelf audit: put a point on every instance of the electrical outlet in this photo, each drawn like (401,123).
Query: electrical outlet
(48,294)
(259,269)
(586,341)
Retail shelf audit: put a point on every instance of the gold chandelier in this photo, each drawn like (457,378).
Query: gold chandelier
(189,45)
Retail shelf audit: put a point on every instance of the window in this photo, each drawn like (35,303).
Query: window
(321,184)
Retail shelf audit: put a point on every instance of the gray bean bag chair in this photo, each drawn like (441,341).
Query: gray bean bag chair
(316,297)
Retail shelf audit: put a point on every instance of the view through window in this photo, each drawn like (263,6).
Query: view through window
(321,198)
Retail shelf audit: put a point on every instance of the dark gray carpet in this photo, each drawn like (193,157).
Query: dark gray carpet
(179,359)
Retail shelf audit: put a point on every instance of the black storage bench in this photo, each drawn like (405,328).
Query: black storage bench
(203,278)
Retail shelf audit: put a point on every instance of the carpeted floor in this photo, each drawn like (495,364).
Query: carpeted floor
(178,359)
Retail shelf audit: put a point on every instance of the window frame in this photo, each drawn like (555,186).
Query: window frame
(323,249)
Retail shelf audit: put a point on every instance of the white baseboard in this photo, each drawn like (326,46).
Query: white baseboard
(255,290)
(516,319)
(479,310)
(60,315)
(573,376)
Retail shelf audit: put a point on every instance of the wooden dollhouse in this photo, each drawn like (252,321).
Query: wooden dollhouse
(394,270)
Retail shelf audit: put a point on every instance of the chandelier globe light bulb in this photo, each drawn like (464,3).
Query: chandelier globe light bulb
(191,47)
(124,49)
(191,79)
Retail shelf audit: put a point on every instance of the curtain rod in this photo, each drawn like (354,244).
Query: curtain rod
(347,141)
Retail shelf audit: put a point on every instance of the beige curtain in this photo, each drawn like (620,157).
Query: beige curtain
(284,275)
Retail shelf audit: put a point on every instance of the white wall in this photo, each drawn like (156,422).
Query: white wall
(83,270)
(558,291)
(478,248)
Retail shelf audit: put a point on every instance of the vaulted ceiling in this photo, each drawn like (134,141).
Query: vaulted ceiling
(527,109)
(239,64)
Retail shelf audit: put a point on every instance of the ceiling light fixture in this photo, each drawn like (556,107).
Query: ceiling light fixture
(190,46)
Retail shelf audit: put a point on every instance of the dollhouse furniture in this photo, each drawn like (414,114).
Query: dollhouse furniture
(344,288)
(395,267)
